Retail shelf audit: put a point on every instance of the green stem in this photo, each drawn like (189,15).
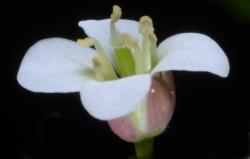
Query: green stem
(144,149)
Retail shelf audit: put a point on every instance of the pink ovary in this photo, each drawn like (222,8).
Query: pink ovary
(160,104)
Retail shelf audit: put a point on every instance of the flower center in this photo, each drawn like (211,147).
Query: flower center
(131,55)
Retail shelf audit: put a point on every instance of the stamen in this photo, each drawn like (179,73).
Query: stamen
(115,35)
(96,62)
(108,71)
(98,69)
(146,25)
(152,37)
(87,42)
(117,13)
(102,65)
(149,42)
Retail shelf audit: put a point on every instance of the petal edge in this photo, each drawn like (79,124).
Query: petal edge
(192,52)
(113,99)
(55,65)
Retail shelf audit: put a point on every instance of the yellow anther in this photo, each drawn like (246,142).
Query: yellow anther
(152,37)
(117,13)
(97,62)
(129,41)
(87,42)
(146,25)
(99,69)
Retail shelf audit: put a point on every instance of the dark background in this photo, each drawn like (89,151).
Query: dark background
(210,120)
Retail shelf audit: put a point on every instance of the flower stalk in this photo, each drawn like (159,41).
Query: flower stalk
(144,149)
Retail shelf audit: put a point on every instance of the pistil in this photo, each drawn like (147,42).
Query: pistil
(132,43)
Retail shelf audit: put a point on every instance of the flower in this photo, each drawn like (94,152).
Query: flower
(115,78)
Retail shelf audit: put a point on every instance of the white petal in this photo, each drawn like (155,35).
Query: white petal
(192,52)
(56,65)
(100,30)
(113,99)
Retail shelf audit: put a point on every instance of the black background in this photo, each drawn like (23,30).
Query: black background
(210,120)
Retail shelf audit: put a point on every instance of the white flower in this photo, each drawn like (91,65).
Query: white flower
(57,65)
